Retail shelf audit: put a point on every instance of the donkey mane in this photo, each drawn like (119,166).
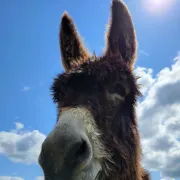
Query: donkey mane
(106,87)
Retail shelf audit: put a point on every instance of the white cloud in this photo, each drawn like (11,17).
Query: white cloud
(10,178)
(19,125)
(40,178)
(159,119)
(26,88)
(21,146)
(18,178)
(144,53)
(146,80)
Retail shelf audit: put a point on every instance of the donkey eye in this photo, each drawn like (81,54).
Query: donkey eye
(117,88)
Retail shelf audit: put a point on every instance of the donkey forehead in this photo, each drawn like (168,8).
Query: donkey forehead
(94,76)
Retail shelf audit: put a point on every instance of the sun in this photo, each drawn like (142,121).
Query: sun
(157,2)
(157,6)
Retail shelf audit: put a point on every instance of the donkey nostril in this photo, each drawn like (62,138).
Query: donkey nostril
(82,149)
(79,153)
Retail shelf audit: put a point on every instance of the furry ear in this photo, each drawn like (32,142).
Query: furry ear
(121,37)
(73,52)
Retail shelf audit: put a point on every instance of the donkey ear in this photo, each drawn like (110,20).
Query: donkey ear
(121,37)
(71,46)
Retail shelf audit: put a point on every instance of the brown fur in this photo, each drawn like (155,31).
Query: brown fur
(87,82)
(70,39)
(124,42)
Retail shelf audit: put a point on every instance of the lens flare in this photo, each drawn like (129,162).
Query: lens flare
(157,6)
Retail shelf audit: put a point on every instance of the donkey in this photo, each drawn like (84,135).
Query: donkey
(96,135)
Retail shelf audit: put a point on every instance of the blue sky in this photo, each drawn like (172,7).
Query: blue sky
(30,58)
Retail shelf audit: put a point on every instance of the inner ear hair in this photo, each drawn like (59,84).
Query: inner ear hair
(73,52)
(121,36)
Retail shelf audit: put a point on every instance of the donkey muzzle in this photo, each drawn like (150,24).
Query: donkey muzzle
(66,150)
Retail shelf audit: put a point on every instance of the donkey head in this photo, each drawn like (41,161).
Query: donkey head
(96,130)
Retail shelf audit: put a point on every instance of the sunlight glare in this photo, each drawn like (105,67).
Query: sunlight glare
(157,6)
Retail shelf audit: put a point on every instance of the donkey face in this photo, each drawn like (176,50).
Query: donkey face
(95,98)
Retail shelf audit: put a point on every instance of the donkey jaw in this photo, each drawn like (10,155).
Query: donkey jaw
(90,172)
(73,147)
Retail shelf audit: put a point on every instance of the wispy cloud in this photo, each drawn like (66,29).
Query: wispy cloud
(10,178)
(26,88)
(144,53)
(19,125)
(39,178)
